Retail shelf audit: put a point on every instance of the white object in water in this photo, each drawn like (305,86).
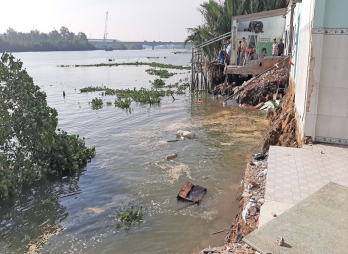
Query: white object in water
(185,134)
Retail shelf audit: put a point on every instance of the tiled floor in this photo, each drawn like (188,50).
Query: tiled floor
(293,173)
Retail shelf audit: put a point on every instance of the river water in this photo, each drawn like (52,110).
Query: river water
(129,168)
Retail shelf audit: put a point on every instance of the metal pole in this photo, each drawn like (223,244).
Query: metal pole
(192,78)
(291,30)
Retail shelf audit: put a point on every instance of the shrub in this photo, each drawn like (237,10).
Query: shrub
(29,144)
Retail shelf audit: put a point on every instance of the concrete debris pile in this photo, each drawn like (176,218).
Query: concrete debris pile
(268,86)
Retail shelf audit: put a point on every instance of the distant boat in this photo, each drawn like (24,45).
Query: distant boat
(109,49)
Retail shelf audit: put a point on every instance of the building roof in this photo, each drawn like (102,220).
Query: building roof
(260,15)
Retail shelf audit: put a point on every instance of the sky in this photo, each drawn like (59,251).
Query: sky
(129,20)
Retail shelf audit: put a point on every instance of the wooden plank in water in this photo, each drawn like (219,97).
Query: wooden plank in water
(185,190)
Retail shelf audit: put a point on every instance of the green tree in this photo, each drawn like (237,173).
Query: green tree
(29,144)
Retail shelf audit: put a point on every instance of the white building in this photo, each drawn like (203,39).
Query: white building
(320,70)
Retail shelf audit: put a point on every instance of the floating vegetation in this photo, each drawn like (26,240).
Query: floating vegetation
(97,103)
(142,95)
(147,96)
(152,57)
(92,89)
(122,103)
(110,60)
(108,103)
(109,91)
(153,64)
(158,83)
(160,73)
(130,218)
(182,52)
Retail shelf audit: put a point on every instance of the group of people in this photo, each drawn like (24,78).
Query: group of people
(277,49)
(244,53)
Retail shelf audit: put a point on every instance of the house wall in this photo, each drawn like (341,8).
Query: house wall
(303,16)
(327,119)
(273,27)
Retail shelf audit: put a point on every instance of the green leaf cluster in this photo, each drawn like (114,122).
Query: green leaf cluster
(29,144)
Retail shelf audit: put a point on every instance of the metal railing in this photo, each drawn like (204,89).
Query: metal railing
(218,38)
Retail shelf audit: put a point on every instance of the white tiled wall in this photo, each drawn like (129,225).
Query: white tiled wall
(301,78)
(328,115)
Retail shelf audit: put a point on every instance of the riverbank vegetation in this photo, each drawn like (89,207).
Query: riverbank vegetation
(64,40)
(217,16)
(30,143)
(153,64)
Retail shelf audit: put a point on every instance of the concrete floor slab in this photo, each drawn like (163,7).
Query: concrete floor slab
(272,207)
(293,173)
(317,224)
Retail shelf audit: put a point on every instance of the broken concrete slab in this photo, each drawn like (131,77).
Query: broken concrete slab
(317,224)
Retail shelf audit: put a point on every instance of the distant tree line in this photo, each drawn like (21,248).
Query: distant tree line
(64,40)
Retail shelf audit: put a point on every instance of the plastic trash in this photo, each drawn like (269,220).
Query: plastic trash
(171,156)
(185,134)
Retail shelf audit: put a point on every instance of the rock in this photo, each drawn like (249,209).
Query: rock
(261,201)
(280,241)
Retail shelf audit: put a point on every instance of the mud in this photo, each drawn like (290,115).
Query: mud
(245,223)
(286,132)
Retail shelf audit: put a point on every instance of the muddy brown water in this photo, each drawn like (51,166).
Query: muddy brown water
(80,216)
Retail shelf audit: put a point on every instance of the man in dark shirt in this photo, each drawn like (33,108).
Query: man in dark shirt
(280,47)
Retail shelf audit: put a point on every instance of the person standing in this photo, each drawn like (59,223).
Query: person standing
(238,52)
(274,47)
(244,52)
(281,47)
